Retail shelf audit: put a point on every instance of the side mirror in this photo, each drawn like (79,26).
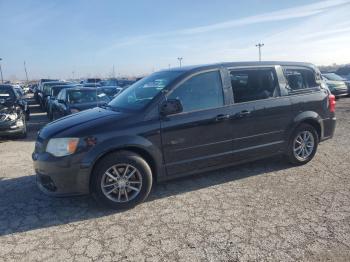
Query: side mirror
(171,107)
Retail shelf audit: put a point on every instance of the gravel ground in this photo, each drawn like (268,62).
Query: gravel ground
(267,210)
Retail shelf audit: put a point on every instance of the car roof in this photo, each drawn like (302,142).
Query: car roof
(81,89)
(66,86)
(240,64)
(54,82)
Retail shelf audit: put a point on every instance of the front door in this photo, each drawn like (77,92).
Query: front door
(201,136)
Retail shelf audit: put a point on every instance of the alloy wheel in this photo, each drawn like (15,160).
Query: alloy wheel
(121,183)
(304,144)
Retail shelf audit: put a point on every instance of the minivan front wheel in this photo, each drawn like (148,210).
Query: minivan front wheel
(122,180)
(303,144)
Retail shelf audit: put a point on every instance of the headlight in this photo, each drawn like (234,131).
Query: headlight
(74,110)
(10,117)
(62,146)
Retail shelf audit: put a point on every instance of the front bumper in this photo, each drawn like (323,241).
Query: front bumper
(61,176)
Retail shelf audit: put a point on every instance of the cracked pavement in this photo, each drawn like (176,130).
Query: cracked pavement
(266,210)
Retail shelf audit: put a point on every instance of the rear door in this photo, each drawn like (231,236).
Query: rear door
(261,114)
(201,136)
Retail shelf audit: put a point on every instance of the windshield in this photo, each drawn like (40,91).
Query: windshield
(140,94)
(85,96)
(333,77)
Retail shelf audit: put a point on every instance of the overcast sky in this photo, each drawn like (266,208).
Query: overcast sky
(140,36)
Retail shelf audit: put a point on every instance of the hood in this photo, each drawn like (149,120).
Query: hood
(87,119)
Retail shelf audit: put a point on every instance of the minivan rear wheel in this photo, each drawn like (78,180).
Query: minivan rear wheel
(122,180)
(302,145)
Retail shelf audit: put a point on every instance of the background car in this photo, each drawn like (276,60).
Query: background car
(74,100)
(46,90)
(12,113)
(55,90)
(344,72)
(39,87)
(336,84)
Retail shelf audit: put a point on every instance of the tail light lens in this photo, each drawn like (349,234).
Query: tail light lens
(332,103)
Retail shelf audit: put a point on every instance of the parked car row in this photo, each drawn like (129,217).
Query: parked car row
(180,122)
(60,98)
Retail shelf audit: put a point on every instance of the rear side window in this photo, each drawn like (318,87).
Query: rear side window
(299,79)
(200,92)
(253,84)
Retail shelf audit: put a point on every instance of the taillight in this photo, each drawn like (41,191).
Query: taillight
(332,103)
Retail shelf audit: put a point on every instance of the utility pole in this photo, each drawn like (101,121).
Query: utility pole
(25,70)
(2,78)
(73,75)
(180,60)
(259,45)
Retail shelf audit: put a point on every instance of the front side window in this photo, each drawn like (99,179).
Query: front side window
(253,84)
(139,95)
(200,92)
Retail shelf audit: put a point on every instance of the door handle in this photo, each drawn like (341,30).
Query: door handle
(243,113)
(222,117)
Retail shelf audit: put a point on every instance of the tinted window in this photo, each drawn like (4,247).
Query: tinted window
(300,78)
(200,92)
(250,85)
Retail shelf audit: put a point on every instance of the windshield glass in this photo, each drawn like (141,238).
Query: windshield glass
(333,77)
(85,96)
(140,94)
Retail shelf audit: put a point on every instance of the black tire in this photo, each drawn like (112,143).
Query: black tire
(292,156)
(120,158)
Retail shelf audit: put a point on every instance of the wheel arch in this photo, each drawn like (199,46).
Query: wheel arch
(311,118)
(148,156)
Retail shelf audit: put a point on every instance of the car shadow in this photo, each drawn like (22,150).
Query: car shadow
(24,208)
